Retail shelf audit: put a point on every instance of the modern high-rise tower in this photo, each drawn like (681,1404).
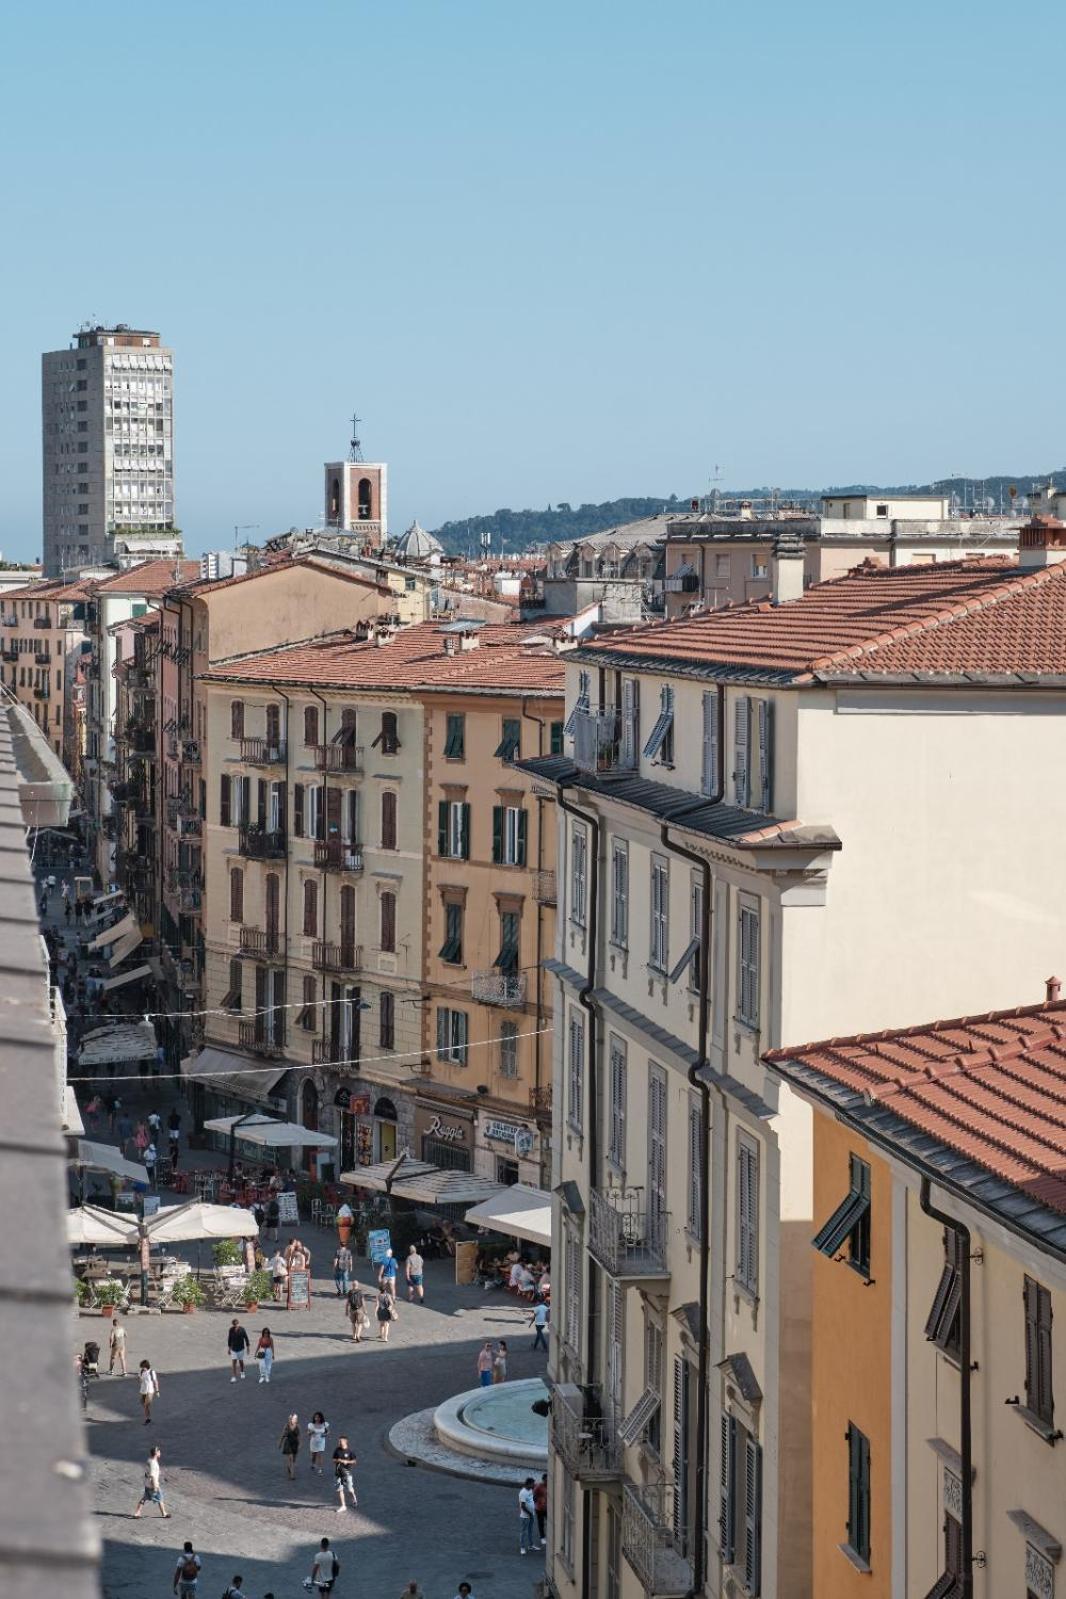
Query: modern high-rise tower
(107,416)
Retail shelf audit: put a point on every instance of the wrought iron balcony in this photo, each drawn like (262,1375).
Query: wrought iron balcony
(496,987)
(189,827)
(260,752)
(141,740)
(189,750)
(42,657)
(343,957)
(138,679)
(627,1238)
(258,942)
(322,1052)
(540,1101)
(9,652)
(586,1441)
(649,1541)
(340,758)
(265,1036)
(336,855)
(42,621)
(10,621)
(544,890)
(260,845)
(40,693)
(605,741)
(189,899)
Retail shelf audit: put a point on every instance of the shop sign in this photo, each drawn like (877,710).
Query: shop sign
(444,1129)
(504,1132)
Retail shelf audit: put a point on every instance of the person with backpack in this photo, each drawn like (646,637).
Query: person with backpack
(325,1568)
(186,1572)
(235,1589)
(237,1343)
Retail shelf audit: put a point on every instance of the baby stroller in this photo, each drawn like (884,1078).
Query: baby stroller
(90,1359)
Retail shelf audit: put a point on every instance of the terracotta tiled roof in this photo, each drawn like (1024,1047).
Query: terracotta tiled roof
(52,588)
(283,562)
(413,658)
(991,1088)
(149,578)
(980,616)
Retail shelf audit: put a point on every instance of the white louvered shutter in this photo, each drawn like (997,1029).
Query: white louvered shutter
(741,742)
(727,1481)
(680,1474)
(766,754)
(752,1515)
(709,765)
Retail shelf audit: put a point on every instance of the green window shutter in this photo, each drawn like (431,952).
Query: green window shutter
(556,745)
(523,823)
(298,810)
(224,811)
(497,833)
(464,847)
(442,828)
(443,1028)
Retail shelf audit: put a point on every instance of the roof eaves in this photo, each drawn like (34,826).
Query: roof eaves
(681,666)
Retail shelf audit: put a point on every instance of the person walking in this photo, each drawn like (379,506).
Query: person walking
(386,1315)
(117,1347)
(235,1589)
(279,1275)
(264,1354)
(237,1341)
(289,1444)
(499,1362)
(273,1219)
(153,1485)
(540,1507)
(539,1322)
(317,1433)
(174,1134)
(343,1465)
(355,1306)
(388,1272)
(485,1361)
(414,1268)
(149,1159)
(155,1125)
(527,1517)
(325,1568)
(342,1269)
(186,1572)
(148,1384)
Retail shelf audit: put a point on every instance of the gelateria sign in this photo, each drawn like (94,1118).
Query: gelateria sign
(443,1127)
(504,1132)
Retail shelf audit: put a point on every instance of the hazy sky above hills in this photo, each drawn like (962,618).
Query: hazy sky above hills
(573,250)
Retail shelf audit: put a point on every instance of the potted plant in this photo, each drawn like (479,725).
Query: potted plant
(81,1293)
(108,1295)
(228,1252)
(187,1293)
(256,1289)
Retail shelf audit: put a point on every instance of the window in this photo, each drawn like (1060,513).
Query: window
(236,894)
(224,800)
(510,746)
(455,737)
(243,792)
(620,894)
(850,1222)
(236,719)
(942,1326)
(310,726)
(453,829)
(766,754)
(948,1584)
(618,1086)
(231,999)
(452,948)
(298,810)
(388,740)
(748,964)
(858,1493)
(1039,1399)
(508,1049)
(273,906)
(740,1502)
(310,908)
(578,875)
(316,813)
(555,739)
(709,757)
(507,1171)
(658,949)
(388,820)
(660,745)
(694,1222)
(742,751)
(881,510)
(452,1036)
(308,1014)
(653,1380)
(746,1270)
(581,704)
(575,1097)
(388,922)
(387,1020)
(510,934)
(509,829)
(273,727)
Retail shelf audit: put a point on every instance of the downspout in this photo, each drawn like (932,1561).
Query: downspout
(325,875)
(288,852)
(539,951)
(962,1234)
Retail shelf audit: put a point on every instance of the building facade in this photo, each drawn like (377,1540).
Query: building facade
(42,637)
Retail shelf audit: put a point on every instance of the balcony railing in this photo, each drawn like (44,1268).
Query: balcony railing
(649,1542)
(265,1036)
(627,1238)
(540,1101)
(42,621)
(587,1442)
(260,752)
(342,758)
(189,899)
(42,694)
(189,750)
(498,988)
(260,943)
(605,741)
(260,845)
(544,890)
(335,855)
(42,657)
(141,741)
(10,621)
(328,957)
(9,652)
(322,1052)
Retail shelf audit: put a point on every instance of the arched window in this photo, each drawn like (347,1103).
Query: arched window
(385,1110)
(309,1106)
(236,895)
(388,820)
(310,725)
(310,908)
(335,499)
(365,499)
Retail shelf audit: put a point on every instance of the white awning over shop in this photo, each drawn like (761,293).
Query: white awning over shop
(124,947)
(105,1046)
(518,1212)
(109,1158)
(121,929)
(269,1133)
(377,1177)
(126,977)
(236,1076)
(445,1187)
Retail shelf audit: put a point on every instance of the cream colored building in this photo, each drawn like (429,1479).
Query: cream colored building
(42,632)
(826,763)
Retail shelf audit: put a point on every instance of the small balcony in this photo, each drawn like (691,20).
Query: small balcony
(544,890)
(540,1102)
(265,1036)
(649,1542)
(605,741)
(336,855)
(260,752)
(188,899)
(586,1441)
(10,621)
(189,751)
(322,1052)
(343,759)
(343,957)
(141,741)
(258,943)
(189,827)
(495,987)
(9,652)
(138,679)
(40,693)
(627,1239)
(42,621)
(260,845)
(42,657)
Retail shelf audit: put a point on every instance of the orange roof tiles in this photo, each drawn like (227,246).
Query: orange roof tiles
(413,658)
(205,586)
(992,1088)
(977,616)
(149,578)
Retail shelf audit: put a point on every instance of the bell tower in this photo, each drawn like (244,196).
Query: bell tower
(356,495)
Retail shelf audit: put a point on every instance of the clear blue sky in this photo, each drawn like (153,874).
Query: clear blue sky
(564,250)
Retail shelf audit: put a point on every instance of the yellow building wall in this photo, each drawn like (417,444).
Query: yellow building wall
(850,1373)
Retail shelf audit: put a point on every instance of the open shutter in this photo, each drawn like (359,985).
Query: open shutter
(464,833)
(1032,1354)
(680,1465)
(766,754)
(443,1031)
(1043,1347)
(727,1501)
(741,742)
(442,827)
(523,836)
(298,810)
(225,801)
(334,800)
(497,833)
(261,803)
(709,767)
(752,1515)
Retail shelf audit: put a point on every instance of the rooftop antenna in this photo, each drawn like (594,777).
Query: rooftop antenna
(355,448)
(485,540)
(242,527)
(716,478)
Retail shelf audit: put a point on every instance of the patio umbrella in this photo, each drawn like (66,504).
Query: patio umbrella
(518,1212)
(87,1224)
(255,1128)
(179,1223)
(109,1158)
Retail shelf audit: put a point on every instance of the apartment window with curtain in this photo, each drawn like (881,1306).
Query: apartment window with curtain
(387,1020)
(455,736)
(575,1098)
(453,830)
(310,726)
(310,908)
(388,922)
(620,894)
(659,953)
(509,835)
(578,874)
(451,951)
(236,719)
(236,894)
(388,820)
(619,1088)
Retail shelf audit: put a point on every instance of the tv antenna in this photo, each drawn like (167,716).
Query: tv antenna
(355,448)
(716,478)
(485,540)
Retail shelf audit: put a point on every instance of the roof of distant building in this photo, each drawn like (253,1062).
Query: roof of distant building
(646,530)
(284,562)
(416,544)
(150,578)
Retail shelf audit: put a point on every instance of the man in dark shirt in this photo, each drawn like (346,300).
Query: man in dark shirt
(343,1461)
(237,1340)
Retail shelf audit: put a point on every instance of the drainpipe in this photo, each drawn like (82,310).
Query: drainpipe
(285,821)
(962,1234)
(325,875)
(539,722)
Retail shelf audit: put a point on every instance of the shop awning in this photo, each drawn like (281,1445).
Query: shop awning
(270,1133)
(235,1076)
(107,1045)
(88,1224)
(109,1158)
(126,977)
(110,935)
(378,1177)
(518,1212)
(101,901)
(445,1187)
(124,947)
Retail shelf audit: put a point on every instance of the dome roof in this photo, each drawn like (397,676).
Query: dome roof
(417,545)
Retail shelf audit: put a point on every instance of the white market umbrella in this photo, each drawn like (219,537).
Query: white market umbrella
(175,1224)
(109,1158)
(264,1130)
(518,1212)
(87,1224)
(446,1186)
(385,1172)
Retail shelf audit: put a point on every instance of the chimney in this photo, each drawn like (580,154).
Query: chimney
(1041,542)
(1053,987)
(786,569)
